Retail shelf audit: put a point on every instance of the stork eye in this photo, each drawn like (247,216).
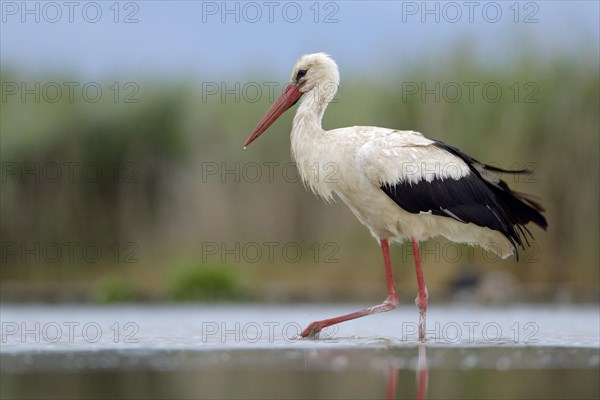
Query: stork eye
(301,74)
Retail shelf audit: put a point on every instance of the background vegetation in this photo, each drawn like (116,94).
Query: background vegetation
(159,208)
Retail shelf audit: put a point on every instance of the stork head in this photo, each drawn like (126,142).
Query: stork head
(316,70)
(315,74)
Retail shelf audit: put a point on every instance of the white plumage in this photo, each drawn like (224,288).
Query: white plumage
(364,158)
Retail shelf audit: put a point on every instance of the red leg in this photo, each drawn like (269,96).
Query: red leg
(390,302)
(421,300)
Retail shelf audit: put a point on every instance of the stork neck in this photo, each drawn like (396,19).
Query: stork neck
(310,112)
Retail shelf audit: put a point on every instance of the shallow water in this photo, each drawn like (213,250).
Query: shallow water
(253,352)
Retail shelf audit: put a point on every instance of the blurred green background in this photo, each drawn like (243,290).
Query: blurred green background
(124,179)
(147,195)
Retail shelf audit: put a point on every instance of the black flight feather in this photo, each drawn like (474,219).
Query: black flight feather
(472,199)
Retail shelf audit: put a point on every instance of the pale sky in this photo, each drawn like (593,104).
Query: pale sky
(223,40)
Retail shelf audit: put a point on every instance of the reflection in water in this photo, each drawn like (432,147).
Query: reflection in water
(422,375)
(313,371)
(392,382)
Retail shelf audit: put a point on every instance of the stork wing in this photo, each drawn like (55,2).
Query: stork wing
(406,156)
(425,176)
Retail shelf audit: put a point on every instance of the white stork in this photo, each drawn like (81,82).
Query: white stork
(399,184)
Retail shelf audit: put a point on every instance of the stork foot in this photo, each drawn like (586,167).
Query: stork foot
(422,330)
(311,331)
(421,302)
(391,301)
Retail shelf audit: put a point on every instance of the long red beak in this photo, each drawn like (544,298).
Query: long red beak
(290,95)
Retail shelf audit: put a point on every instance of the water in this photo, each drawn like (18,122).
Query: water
(253,352)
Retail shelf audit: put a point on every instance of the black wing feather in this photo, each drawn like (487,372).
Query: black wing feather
(471,199)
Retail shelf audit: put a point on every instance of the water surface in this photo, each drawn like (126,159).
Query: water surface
(253,352)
